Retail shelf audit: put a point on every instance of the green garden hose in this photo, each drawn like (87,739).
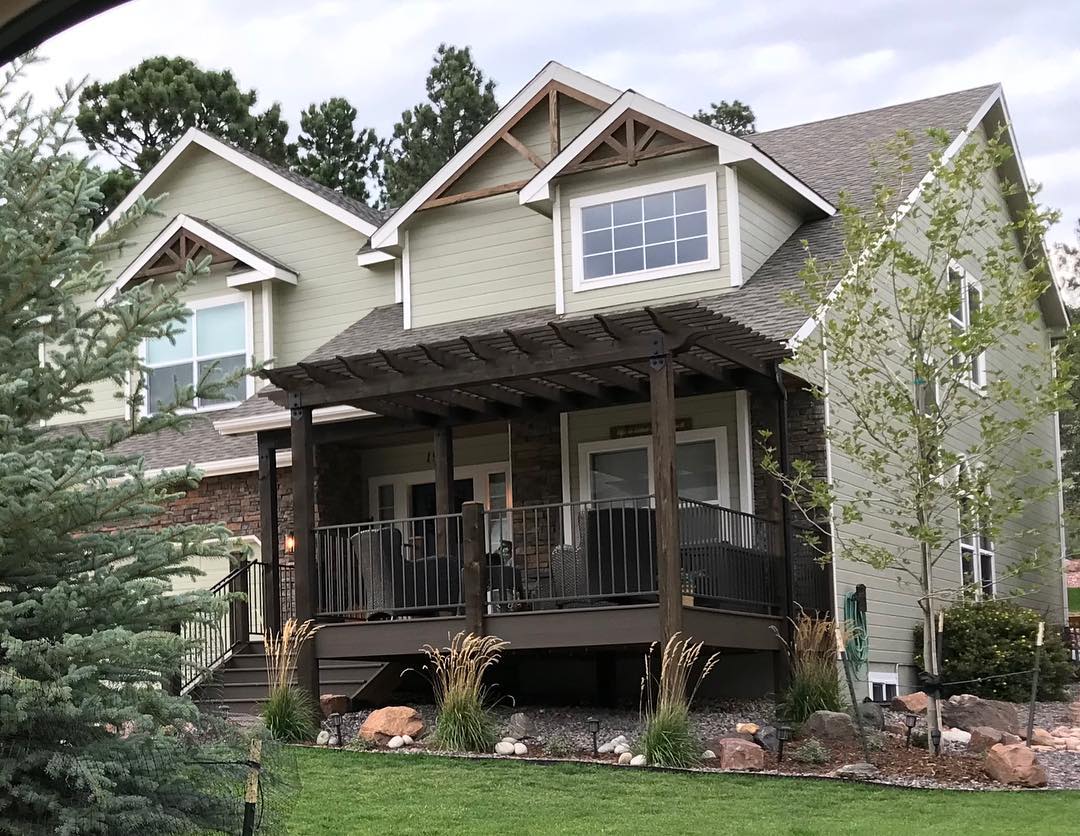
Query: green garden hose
(857,645)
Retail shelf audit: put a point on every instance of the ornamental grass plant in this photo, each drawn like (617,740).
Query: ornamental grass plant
(289,712)
(464,722)
(815,679)
(668,738)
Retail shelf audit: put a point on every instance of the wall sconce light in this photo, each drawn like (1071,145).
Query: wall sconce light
(593,726)
(783,735)
(910,720)
(290,543)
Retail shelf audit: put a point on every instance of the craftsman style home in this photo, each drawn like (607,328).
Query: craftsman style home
(525,402)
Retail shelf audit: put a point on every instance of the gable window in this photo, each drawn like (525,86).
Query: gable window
(215,333)
(976,547)
(966,295)
(647,232)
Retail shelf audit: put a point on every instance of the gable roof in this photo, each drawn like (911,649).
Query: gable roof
(386,234)
(258,261)
(730,148)
(352,213)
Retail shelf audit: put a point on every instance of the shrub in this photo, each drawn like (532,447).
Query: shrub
(990,638)
(668,739)
(289,712)
(463,722)
(559,745)
(815,680)
(810,750)
(289,715)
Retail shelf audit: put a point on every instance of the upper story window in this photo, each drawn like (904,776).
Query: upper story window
(216,333)
(646,232)
(976,547)
(966,294)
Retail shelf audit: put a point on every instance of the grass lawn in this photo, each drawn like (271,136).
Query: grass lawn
(1074,599)
(348,792)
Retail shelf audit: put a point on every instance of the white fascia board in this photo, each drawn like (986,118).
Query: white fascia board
(901,212)
(225,467)
(280,420)
(243,161)
(244,278)
(369,257)
(264,268)
(731,149)
(386,235)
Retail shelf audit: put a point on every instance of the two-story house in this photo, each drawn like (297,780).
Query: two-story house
(526,401)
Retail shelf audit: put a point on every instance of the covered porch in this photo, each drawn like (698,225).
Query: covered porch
(572,548)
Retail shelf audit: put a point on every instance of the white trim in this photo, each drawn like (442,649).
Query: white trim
(975,382)
(714,434)
(734,225)
(267,303)
(1062,532)
(746,450)
(829,473)
(402,482)
(261,268)
(881,678)
(978,552)
(711,262)
(280,419)
(369,257)
(235,298)
(406,283)
(397,282)
(731,149)
(225,467)
(194,136)
(387,234)
(557,239)
(564,464)
(996,97)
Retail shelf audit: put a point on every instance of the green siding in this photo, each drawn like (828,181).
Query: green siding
(480,258)
(704,412)
(893,609)
(708,282)
(765,222)
(332,293)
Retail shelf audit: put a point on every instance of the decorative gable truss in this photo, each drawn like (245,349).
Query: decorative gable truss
(632,138)
(547,98)
(186,238)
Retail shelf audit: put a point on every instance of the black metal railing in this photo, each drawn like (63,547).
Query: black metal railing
(730,559)
(213,641)
(391,567)
(813,578)
(573,553)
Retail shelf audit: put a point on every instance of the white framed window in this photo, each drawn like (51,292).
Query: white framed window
(623,468)
(967,296)
(883,686)
(667,228)
(977,568)
(217,332)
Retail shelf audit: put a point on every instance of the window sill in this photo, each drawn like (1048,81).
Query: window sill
(581,285)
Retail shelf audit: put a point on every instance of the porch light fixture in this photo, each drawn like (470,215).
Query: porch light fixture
(335,721)
(593,727)
(290,543)
(935,735)
(910,720)
(783,734)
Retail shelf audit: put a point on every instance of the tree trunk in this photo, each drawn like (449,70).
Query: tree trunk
(930,647)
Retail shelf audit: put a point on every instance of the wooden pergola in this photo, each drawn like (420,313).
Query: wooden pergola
(652,354)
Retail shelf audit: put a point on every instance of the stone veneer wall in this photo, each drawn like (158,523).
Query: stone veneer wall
(536,465)
(806,436)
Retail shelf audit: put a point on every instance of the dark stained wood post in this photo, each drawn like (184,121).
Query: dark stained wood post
(444,487)
(306,569)
(474,573)
(268,537)
(662,403)
(785,586)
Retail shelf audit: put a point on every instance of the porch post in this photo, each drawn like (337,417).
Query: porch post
(444,486)
(473,574)
(662,404)
(303,474)
(268,536)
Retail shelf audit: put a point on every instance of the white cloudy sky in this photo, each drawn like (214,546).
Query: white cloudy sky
(792,61)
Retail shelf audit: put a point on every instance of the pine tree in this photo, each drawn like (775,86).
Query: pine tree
(460,102)
(734,117)
(90,739)
(331,151)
